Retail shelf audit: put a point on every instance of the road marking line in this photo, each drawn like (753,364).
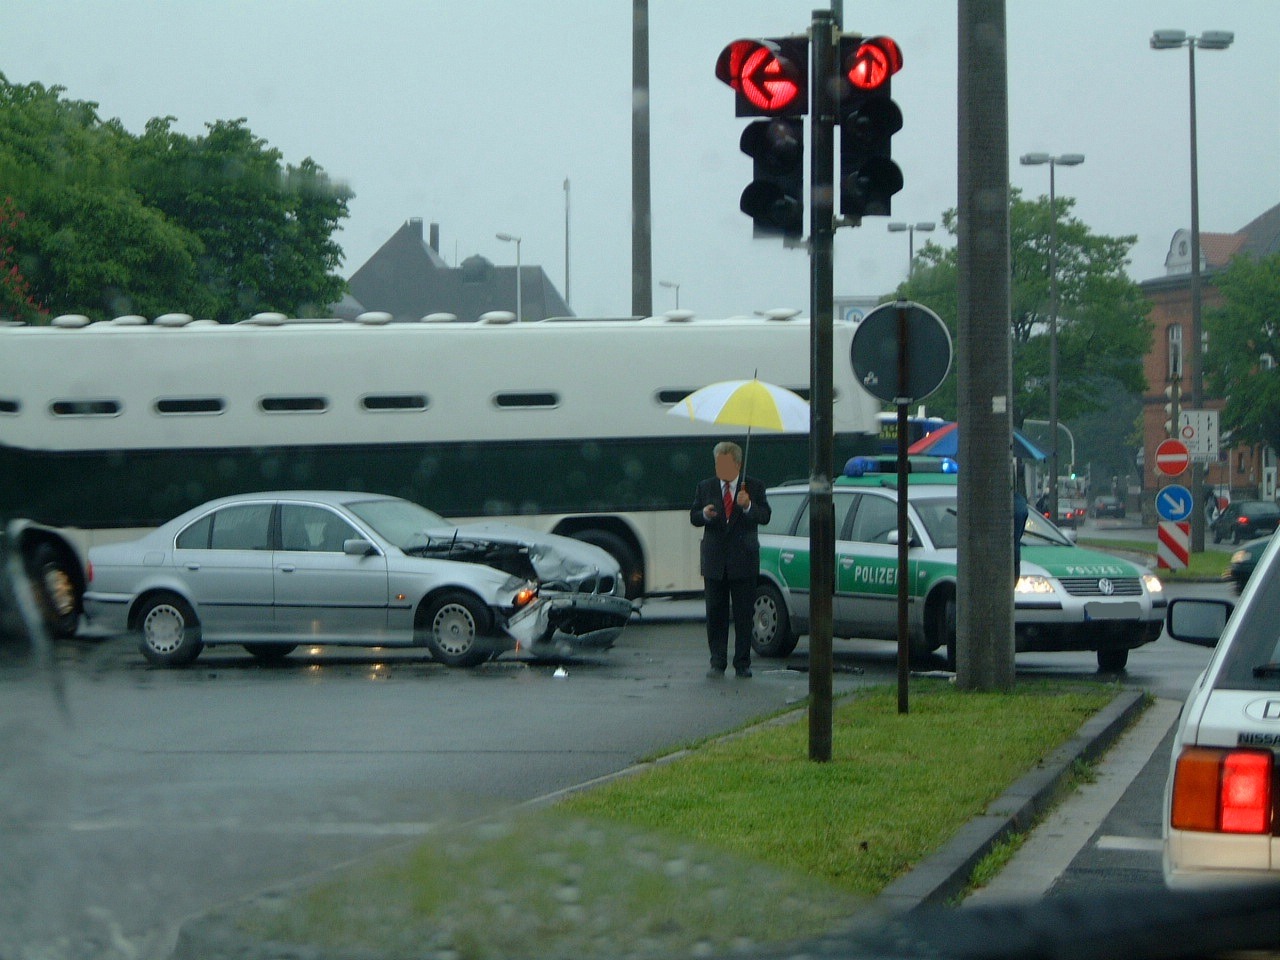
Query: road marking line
(406,829)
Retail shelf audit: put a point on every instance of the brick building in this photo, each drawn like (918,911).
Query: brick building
(1243,471)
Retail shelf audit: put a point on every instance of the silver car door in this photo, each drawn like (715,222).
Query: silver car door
(225,561)
(322,593)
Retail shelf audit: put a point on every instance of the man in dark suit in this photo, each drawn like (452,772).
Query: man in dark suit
(730,507)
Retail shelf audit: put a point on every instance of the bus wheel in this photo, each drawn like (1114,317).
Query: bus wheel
(169,631)
(620,550)
(270,652)
(55,592)
(454,626)
(771,634)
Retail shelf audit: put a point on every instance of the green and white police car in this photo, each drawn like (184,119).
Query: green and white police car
(1067,598)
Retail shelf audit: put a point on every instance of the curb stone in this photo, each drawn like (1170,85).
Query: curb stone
(945,874)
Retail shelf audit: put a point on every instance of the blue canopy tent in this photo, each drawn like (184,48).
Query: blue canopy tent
(945,442)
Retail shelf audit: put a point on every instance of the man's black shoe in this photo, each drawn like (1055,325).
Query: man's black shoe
(744,673)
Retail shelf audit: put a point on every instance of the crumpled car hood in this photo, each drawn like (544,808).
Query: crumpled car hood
(554,558)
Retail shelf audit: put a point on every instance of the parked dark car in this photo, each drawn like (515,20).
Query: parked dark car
(1246,520)
(1243,561)
(1108,507)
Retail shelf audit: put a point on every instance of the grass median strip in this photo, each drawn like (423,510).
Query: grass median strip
(742,840)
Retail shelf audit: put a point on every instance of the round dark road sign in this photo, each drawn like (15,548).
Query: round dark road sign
(874,352)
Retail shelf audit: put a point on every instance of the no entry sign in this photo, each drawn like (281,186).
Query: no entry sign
(1172,458)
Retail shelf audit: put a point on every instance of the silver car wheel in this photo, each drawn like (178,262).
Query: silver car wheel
(164,628)
(454,629)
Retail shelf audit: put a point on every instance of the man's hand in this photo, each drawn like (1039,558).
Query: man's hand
(743,499)
(709,512)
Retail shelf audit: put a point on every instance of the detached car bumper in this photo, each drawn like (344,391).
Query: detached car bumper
(559,623)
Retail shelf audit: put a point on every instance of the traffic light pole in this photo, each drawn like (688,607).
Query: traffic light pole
(821,307)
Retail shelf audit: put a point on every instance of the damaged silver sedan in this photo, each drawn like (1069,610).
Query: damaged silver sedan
(271,571)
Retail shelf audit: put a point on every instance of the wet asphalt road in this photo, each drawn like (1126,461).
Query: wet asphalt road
(135,797)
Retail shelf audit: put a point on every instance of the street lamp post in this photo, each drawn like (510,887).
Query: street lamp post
(924,226)
(1209,40)
(672,285)
(519,291)
(1066,160)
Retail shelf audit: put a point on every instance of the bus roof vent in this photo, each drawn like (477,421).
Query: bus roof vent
(267,319)
(374,317)
(780,313)
(129,320)
(70,320)
(679,316)
(440,318)
(173,320)
(498,317)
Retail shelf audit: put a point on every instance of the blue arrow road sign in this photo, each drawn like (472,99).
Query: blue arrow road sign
(1174,502)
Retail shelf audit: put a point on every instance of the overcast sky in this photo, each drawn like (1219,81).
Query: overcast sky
(472,114)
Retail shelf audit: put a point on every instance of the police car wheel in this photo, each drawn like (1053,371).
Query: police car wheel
(1112,661)
(771,634)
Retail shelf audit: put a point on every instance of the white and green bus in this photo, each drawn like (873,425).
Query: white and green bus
(108,429)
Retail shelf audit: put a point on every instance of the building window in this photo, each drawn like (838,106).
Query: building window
(1175,351)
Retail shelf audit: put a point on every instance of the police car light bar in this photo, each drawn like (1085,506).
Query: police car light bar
(861,466)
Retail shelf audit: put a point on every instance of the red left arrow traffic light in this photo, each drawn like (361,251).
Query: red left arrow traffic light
(770,77)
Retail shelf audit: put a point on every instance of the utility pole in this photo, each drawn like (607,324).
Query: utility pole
(984,628)
(822,532)
(641,207)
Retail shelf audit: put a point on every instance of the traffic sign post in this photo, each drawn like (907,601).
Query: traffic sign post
(1198,429)
(1174,502)
(1172,458)
(1173,550)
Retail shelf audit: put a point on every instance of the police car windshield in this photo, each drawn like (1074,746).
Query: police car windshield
(1042,531)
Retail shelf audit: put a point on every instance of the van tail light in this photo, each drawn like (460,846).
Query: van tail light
(1223,791)
(88,570)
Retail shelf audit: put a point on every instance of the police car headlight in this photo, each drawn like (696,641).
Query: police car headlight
(1034,584)
(1152,583)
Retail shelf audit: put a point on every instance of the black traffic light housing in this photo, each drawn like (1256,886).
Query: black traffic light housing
(868,119)
(774,200)
(770,78)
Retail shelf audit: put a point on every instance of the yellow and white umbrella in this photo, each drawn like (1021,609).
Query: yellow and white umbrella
(746,403)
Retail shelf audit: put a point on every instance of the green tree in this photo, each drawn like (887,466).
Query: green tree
(1244,346)
(265,228)
(113,223)
(1103,332)
(86,243)
(16,300)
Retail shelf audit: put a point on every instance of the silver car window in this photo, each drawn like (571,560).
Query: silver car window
(246,526)
(308,527)
(401,522)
